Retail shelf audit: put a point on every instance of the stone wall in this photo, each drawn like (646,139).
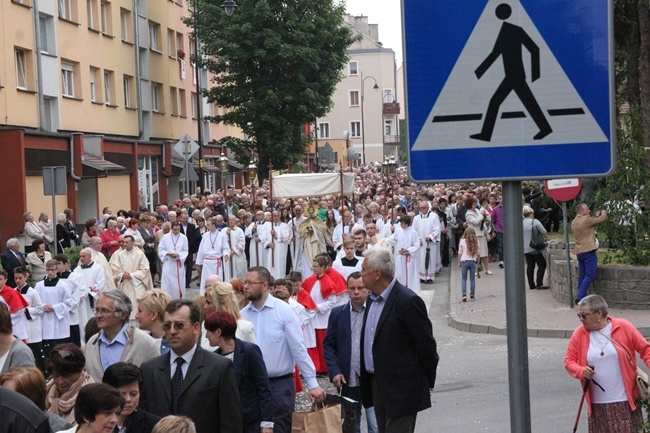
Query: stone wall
(624,287)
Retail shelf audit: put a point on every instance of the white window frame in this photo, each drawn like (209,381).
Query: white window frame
(67,80)
(388,127)
(171,43)
(126,82)
(173,100)
(124,21)
(65,9)
(355,127)
(193,105)
(93,85)
(107,87)
(358,96)
(90,12)
(153,36)
(21,69)
(353,71)
(323,130)
(103,17)
(388,92)
(44,34)
(155,97)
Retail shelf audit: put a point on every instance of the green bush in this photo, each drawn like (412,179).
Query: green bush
(73,255)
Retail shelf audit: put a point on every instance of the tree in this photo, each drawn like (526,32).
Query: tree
(277,64)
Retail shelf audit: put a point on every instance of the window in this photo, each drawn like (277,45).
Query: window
(106,17)
(182,99)
(94,79)
(353,68)
(46,36)
(68,10)
(171,43)
(23,2)
(125,20)
(193,105)
(91,6)
(180,42)
(173,100)
(354,98)
(388,127)
(109,87)
(156,97)
(355,129)
(21,69)
(324,130)
(126,81)
(68,79)
(388,96)
(154,36)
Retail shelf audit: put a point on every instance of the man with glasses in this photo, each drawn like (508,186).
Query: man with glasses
(117,341)
(189,380)
(280,338)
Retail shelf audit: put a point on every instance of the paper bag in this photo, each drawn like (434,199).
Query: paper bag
(325,419)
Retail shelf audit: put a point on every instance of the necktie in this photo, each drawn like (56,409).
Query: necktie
(177,383)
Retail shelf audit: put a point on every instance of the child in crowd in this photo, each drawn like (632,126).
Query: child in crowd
(469,256)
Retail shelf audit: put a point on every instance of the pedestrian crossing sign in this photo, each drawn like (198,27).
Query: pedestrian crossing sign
(509,89)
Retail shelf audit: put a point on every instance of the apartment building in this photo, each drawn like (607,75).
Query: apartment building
(364,117)
(105,88)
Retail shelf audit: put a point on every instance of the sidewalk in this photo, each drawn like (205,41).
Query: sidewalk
(545,316)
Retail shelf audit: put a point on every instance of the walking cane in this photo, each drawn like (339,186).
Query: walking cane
(582,400)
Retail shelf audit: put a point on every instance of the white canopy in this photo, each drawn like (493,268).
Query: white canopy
(311,184)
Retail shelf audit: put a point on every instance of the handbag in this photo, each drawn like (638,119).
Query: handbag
(641,376)
(348,411)
(323,419)
(537,239)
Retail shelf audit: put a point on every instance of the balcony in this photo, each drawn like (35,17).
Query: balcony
(392,140)
(391,108)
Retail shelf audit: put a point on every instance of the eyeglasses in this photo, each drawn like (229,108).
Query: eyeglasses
(177,325)
(103,311)
(583,316)
(250,283)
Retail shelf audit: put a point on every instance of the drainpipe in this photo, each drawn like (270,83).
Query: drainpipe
(39,66)
(138,67)
(71,144)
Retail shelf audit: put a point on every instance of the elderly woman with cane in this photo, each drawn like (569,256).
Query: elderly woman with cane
(602,354)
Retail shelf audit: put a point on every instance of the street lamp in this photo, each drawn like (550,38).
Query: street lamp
(229,6)
(363,124)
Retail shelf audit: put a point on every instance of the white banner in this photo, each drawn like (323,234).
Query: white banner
(311,184)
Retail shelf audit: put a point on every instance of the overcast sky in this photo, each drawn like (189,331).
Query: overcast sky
(386,13)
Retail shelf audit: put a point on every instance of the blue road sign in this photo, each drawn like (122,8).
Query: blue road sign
(509,89)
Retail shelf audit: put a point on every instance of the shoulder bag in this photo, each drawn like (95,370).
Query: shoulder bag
(537,240)
(641,376)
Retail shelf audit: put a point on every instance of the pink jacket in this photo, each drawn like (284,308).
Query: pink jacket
(624,333)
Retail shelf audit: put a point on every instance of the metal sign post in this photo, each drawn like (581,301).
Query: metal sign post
(54,183)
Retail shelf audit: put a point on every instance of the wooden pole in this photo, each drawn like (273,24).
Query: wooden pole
(271,203)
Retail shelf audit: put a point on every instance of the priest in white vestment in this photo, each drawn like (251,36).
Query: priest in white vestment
(131,272)
(254,231)
(93,281)
(99,258)
(235,265)
(427,226)
(172,252)
(276,242)
(212,250)
(296,242)
(406,245)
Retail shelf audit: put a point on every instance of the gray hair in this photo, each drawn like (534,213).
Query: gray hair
(382,259)
(12,243)
(87,250)
(61,218)
(26,215)
(172,213)
(595,303)
(122,302)
(95,240)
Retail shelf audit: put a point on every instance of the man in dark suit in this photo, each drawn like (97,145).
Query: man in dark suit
(11,259)
(342,346)
(398,351)
(189,380)
(193,242)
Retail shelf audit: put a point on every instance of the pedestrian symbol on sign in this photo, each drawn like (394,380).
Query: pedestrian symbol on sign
(509,46)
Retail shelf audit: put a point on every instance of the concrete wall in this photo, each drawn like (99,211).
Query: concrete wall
(624,287)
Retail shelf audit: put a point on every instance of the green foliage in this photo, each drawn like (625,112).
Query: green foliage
(73,255)
(277,63)
(627,231)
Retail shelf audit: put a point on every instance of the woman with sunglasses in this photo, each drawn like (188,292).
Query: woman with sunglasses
(602,354)
(66,365)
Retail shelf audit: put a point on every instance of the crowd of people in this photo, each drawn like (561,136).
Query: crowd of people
(289,289)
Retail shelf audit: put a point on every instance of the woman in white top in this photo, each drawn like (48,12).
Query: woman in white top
(37,260)
(32,232)
(221,296)
(46,225)
(475,219)
(134,230)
